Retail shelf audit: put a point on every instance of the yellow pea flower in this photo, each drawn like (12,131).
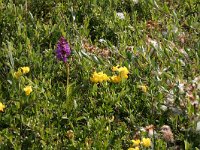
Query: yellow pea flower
(143,88)
(2,106)
(21,71)
(99,77)
(123,71)
(28,90)
(115,68)
(18,74)
(25,69)
(115,79)
(146,142)
(136,142)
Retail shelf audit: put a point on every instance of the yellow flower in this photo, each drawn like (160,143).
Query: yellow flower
(146,142)
(143,88)
(28,90)
(115,68)
(123,71)
(2,106)
(21,71)
(18,74)
(136,148)
(115,79)
(136,142)
(99,77)
(25,69)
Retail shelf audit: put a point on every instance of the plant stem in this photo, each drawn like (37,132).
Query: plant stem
(67,69)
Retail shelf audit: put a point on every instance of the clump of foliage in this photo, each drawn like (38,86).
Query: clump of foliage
(44,105)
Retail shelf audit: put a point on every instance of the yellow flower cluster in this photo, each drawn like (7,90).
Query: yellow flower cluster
(123,71)
(28,90)
(123,74)
(146,142)
(21,71)
(100,77)
(2,106)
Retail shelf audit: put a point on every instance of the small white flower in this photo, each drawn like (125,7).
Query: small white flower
(120,15)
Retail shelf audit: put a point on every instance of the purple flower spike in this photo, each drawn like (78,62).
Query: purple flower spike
(63,50)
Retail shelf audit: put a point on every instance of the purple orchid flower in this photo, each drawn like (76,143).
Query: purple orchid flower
(63,50)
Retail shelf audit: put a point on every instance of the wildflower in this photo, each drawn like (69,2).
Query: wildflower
(25,70)
(18,74)
(123,74)
(115,79)
(136,142)
(131,148)
(99,77)
(28,90)
(115,68)
(146,142)
(122,70)
(143,88)
(21,71)
(63,50)
(2,106)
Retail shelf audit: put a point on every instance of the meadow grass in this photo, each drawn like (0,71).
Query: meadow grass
(48,107)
